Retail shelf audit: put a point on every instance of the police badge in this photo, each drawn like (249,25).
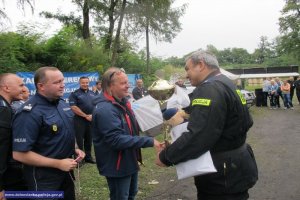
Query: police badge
(54,128)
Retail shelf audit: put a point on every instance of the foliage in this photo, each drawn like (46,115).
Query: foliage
(290,28)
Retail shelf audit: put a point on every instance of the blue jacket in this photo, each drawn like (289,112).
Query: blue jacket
(115,137)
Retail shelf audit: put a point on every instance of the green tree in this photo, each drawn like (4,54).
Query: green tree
(156,18)
(290,28)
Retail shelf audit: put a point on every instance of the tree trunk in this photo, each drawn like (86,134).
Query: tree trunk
(117,39)
(147,47)
(108,38)
(86,22)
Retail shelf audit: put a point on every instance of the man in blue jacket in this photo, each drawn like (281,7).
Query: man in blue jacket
(116,136)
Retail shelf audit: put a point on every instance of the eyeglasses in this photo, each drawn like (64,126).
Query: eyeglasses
(116,72)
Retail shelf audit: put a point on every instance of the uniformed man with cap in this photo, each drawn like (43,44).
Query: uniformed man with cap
(81,103)
(44,136)
(11,175)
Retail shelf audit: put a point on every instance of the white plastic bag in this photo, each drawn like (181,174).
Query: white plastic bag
(180,98)
(195,167)
(147,113)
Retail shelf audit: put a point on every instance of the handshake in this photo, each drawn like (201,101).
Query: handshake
(173,117)
(159,146)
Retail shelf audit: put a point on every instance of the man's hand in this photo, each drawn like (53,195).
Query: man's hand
(158,162)
(2,197)
(80,155)
(89,118)
(159,146)
(67,164)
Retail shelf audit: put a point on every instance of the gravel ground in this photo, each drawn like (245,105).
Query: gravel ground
(275,139)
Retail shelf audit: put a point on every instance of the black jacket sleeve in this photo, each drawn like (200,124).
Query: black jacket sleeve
(5,141)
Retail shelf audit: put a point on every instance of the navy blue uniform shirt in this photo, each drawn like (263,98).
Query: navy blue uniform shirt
(44,127)
(83,100)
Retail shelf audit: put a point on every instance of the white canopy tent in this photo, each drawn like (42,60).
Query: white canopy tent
(229,75)
(269,75)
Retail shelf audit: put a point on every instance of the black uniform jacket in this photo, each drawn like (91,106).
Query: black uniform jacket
(219,121)
(6,114)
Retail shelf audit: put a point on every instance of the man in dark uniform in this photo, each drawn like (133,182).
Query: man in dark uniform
(81,103)
(219,121)
(44,137)
(139,91)
(11,173)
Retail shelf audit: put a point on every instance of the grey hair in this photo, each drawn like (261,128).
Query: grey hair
(208,58)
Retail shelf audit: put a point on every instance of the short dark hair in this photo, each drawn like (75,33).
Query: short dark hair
(99,81)
(40,74)
(83,77)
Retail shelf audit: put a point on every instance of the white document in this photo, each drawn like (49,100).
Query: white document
(147,113)
(195,167)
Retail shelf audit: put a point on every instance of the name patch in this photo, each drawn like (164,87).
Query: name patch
(201,102)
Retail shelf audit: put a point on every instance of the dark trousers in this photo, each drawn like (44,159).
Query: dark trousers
(298,95)
(265,99)
(14,179)
(83,135)
(50,179)
(236,173)
(237,196)
(272,100)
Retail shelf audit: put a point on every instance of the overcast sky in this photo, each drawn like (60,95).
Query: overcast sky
(221,23)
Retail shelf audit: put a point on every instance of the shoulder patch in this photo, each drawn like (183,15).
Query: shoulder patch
(27,107)
(242,98)
(201,102)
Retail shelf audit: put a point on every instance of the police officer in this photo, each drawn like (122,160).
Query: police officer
(11,175)
(81,103)
(219,121)
(44,138)
(139,91)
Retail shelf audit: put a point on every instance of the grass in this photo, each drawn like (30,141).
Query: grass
(91,185)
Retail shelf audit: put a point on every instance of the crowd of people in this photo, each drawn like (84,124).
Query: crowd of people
(43,140)
(276,89)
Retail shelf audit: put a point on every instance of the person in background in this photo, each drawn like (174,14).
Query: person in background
(297,87)
(25,96)
(273,89)
(219,121)
(11,173)
(81,104)
(139,91)
(279,92)
(285,88)
(292,87)
(180,83)
(97,89)
(116,136)
(265,89)
(44,137)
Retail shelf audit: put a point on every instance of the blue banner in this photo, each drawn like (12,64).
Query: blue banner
(72,80)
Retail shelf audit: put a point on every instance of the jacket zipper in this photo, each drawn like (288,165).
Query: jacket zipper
(225,169)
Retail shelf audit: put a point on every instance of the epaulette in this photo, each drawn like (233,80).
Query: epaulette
(3,103)
(28,106)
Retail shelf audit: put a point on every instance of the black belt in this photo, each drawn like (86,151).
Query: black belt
(230,153)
